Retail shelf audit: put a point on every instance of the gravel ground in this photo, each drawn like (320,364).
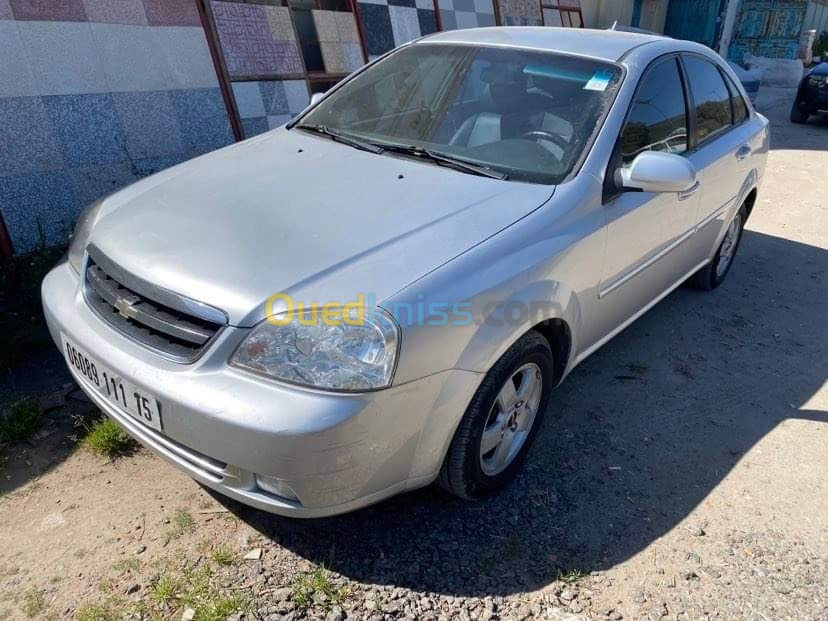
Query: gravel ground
(682,473)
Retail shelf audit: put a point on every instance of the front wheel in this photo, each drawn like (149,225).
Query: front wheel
(714,273)
(501,420)
(797,115)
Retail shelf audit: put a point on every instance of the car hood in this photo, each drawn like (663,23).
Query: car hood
(289,212)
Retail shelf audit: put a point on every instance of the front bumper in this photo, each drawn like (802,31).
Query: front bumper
(336,452)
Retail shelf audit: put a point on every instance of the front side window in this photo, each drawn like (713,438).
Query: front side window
(528,115)
(658,116)
(710,96)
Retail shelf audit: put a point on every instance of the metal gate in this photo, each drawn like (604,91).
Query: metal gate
(695,20)
(768,28)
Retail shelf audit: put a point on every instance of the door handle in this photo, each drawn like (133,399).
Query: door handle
(682,196)
(743,151)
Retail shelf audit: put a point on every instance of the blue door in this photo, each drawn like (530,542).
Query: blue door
(768,28)
(695,20)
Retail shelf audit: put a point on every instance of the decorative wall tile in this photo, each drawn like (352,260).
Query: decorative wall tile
(254,127)
(16,79)
(38,202)
(281,25)
(333,57)
(326,25)
(148,134)
(87,127)
(187,57)
(172,12)
(406,3)
(376,22)
(90,183)
(5,10)
(248,98)
(352,53)
(249,44)
(466,13)
(131,58)
(519,12)
(28,137)
(116,11)
(49,10)
(64,57)
(278,120)
(273,97)
(424,4)
(202,119)
(428,21)
(404,24)
(296,92)
(346,27)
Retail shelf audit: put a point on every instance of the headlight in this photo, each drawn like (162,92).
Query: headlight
(312,350)
(818,80)
(77,243)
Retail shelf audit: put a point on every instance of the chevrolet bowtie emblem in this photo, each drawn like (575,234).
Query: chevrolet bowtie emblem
(125,309)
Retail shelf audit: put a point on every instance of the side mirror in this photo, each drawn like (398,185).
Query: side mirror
(657,171)
(316,98)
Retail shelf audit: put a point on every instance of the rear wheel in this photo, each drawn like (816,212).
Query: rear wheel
(797,115)
(714,273)
(501,420)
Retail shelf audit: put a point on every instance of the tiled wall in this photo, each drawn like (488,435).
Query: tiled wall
(389,23)
(256,39)
(520,12)
(339,40)
(466,13)
(95,94)
(267,104)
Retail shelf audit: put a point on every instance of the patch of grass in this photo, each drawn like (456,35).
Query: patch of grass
(106,438)
(219,608)
(316,589)
(183,522)
(97,612)
(570,576)
(128,564)
(21,422)
(33,603)
(222,555)
(165,590)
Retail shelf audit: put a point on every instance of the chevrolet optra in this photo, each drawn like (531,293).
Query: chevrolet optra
(483,208)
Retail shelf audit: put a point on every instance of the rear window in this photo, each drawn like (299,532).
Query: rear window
(711,98)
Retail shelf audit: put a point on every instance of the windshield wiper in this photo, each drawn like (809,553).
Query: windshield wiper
(340,137)
(445,159)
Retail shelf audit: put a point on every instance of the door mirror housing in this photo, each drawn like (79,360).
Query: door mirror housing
(316,98)
(657,171)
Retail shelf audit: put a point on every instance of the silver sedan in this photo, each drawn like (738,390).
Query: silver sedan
(385,292)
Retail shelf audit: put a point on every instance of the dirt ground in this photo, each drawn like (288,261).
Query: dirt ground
(682,473)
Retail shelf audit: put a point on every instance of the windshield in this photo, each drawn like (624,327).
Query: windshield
(528,115)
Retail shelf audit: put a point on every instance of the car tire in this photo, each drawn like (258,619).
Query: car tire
(713,274)
(468,471)
(797,115)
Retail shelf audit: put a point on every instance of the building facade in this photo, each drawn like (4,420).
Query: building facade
(95,94)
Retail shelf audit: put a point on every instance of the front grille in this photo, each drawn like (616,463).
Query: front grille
(172,325)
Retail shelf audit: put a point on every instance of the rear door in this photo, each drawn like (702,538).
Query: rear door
(719,151)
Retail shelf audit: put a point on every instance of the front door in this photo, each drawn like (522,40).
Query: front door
(646,231)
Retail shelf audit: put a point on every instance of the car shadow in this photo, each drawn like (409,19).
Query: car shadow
(634,439)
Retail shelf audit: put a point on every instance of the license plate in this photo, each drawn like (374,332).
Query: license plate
(127,397)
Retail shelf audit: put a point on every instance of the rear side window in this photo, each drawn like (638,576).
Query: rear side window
(710,96)
(658,115)
(737,103)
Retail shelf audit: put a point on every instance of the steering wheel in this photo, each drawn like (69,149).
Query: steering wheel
(542,134)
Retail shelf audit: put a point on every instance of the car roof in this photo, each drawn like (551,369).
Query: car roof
(608,45)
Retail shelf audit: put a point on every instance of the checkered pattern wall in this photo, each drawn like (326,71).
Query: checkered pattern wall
(389,23)
(266,104)
(466,13)
(95,94)
(520,12)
